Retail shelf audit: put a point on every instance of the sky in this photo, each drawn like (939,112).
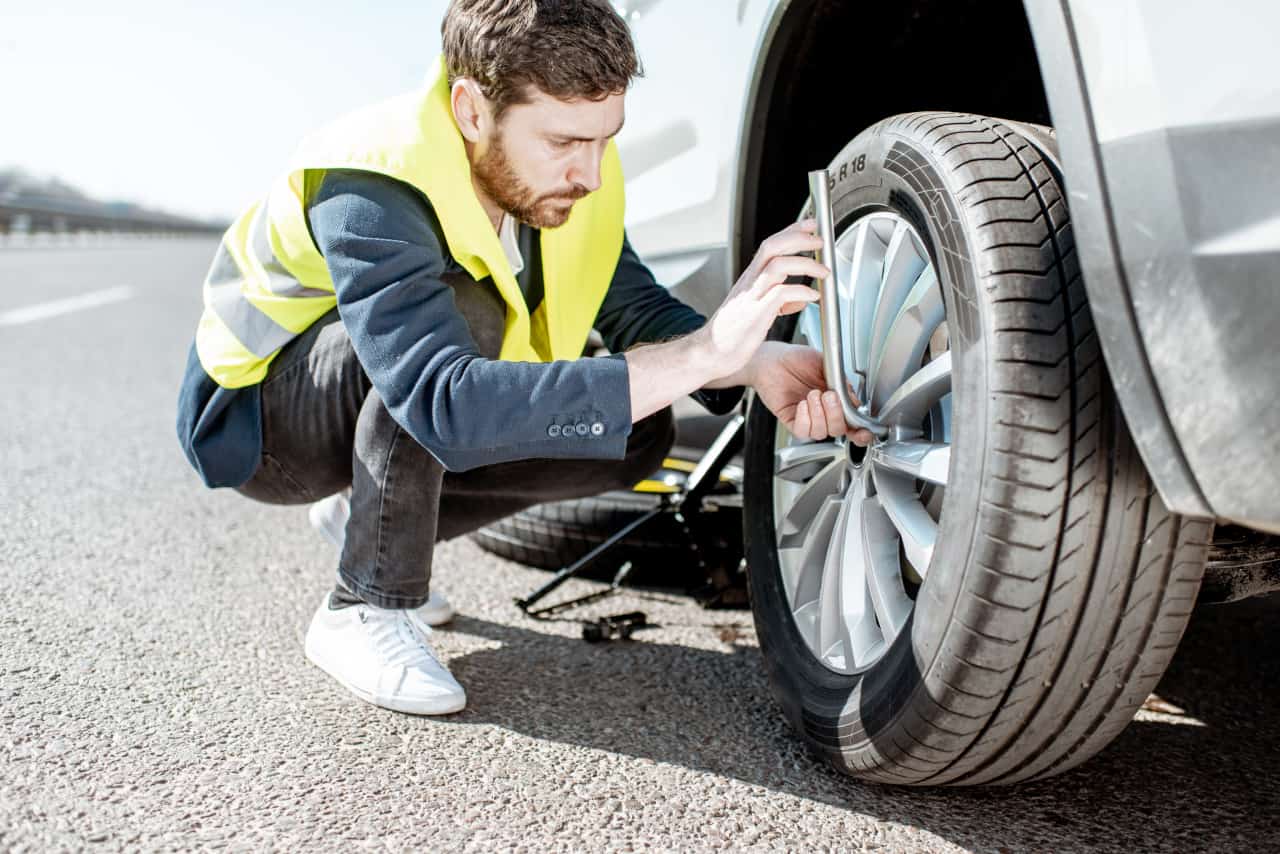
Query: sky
(194,107)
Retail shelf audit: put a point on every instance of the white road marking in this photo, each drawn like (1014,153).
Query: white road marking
(42,310)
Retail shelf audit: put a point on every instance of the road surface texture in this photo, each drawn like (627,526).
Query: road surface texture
(154,694)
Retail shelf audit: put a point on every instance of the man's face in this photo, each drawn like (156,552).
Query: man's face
(544,155)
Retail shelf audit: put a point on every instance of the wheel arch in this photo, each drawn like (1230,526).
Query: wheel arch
(1015,59)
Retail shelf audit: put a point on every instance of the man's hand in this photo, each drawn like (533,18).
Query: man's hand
(723,352)
(789,380)
(733,334)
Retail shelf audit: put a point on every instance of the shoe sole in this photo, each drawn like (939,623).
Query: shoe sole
(394,704)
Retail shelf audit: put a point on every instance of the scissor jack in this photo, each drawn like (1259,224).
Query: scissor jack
(687,506)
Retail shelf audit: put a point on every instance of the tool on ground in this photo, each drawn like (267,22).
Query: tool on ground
(686,506)
(618,625)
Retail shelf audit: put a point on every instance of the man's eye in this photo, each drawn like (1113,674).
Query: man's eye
(563,144)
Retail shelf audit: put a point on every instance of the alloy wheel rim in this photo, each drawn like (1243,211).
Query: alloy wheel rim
(856,528)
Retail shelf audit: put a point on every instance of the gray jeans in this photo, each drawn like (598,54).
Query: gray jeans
(324,427)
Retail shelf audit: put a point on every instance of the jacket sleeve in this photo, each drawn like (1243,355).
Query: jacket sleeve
(380,240)
(638,310)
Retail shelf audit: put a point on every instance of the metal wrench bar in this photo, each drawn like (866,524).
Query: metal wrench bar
(832,344)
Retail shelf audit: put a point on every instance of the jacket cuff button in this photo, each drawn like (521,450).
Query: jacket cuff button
(597,429)
(582,429)
(553,431)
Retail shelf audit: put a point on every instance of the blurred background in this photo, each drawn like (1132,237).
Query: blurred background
(177,114)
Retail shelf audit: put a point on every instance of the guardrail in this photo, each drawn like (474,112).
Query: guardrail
(34,215)
(87,239)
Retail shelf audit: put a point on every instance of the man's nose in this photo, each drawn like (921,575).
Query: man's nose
(585,171)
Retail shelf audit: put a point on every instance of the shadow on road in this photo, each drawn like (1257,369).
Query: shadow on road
(1170,784)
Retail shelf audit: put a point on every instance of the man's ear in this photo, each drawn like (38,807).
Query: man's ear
(470,109)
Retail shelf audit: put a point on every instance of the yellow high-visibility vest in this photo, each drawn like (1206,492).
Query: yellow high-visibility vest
(269,282)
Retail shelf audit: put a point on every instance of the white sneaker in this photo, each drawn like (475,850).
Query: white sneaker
(383,657)
(329,516)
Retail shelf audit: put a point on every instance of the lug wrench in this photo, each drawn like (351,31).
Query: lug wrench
(832,344)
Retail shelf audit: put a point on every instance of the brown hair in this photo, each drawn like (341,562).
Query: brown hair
(566,48)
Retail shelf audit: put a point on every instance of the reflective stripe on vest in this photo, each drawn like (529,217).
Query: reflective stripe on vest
(228,297)
(269,282)
(250,296)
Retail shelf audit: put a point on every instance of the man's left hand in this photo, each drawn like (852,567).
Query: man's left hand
(790,381)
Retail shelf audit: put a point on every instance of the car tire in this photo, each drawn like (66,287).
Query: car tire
(556,534)
(1058,584)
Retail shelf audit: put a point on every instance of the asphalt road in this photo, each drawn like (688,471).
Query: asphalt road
(153,691)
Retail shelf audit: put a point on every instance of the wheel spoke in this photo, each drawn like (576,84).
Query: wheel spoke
(920,460)
(847,255)
(915,526)
(797,463)
(857,311)
(811,326)
(811,559)
(905,343)
(908,405)
(884,569)
(832,628)
(845,274)
(940,415)
(847,631)
(793,526)
(903,265)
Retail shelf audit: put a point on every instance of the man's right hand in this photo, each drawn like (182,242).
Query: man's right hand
(720,353)
(734,333)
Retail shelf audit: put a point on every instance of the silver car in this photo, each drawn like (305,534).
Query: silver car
(1056,233)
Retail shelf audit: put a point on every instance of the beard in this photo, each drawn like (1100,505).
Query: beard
(498,179)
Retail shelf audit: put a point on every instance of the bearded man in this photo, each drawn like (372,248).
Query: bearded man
(394,334)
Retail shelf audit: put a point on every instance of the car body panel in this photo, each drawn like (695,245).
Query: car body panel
(679,144)
(1185,109)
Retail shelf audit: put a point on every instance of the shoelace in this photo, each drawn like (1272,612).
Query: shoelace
(399,642)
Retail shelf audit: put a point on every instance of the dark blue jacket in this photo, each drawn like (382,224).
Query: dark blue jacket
(386,253)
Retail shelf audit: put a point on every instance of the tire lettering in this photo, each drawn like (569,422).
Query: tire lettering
(851,167)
